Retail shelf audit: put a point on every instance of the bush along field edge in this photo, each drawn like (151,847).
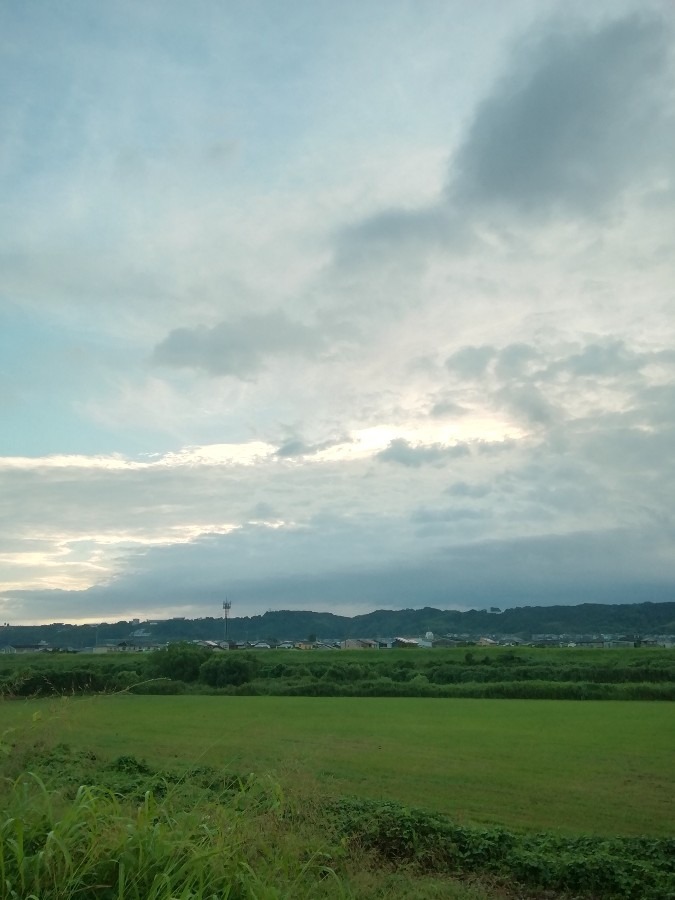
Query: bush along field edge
(184,668)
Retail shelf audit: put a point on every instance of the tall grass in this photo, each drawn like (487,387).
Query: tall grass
(247,844)
(99,845)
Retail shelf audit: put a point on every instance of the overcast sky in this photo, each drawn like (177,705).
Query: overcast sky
(335,305)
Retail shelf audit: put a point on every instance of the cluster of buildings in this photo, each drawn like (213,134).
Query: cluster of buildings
(142,641)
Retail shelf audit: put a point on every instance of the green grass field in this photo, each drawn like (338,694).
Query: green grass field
(573,767)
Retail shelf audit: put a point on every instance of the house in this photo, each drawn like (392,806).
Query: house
(404,643)
(42,647)
(212,645)
(359,644)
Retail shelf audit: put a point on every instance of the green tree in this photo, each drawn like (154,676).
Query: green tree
(229,668)
(180,661)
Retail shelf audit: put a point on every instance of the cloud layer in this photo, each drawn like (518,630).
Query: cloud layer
(380,316)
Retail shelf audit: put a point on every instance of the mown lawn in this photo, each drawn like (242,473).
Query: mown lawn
(575,767)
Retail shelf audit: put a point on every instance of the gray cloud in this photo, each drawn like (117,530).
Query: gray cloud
(452,514)
(579,118)
(239,348)
(263,512)
(443,408)
(600,360)
(297,447)
(515,359)
(527,402)
(655,405)
(616,566)
(418,229)
(403,453)
(470,362)
(641,461)
(464,489)
(547,385)
(522,362)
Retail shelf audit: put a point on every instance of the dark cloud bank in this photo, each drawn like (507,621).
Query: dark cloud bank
(611,567)
(580,118)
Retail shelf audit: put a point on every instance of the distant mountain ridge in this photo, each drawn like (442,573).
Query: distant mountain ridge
(585,618)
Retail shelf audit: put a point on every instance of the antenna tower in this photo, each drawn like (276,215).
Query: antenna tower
(227,606)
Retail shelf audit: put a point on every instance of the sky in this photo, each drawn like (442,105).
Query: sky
(335,306)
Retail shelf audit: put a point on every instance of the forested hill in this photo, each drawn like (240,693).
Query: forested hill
(587,618)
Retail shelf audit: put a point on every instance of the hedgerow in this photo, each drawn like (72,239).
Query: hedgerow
(186,668)
(636,868)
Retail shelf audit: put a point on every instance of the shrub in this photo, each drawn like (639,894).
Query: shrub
(622,868)
(229,668)
(180,661)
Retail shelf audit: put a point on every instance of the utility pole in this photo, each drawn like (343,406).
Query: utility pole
(227,606)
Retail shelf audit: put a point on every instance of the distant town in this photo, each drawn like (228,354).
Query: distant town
(580,626)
